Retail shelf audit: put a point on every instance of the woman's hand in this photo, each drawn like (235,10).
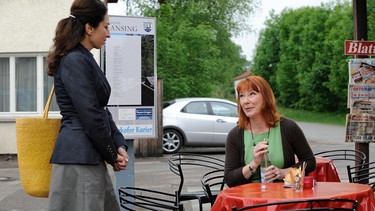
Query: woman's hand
(122,160)
(274,173)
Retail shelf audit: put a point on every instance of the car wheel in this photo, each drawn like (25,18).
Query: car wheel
(172,141)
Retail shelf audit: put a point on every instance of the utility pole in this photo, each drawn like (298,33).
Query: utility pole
(360,34)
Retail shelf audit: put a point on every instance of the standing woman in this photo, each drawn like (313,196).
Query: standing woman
(261,129)
(88,136)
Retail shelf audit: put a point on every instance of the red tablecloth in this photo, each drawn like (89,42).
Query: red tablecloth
(250,194)
(325,171)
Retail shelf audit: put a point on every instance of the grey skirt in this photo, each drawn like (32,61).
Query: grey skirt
(81,188)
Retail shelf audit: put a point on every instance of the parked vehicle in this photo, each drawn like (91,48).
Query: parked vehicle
(197,122)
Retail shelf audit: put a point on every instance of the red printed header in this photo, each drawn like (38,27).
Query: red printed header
(353,47)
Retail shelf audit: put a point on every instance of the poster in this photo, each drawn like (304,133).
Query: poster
(362,71)
(360,123)
(360,128)
(360,92)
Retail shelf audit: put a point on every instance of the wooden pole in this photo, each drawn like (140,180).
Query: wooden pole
(153,147)
(360,34)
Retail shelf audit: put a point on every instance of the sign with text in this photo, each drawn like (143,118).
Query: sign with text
(130,66)
(353,47)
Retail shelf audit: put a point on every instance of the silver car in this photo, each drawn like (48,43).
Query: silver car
(197,122)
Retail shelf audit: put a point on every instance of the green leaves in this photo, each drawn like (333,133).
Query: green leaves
(195,54)
(301,54)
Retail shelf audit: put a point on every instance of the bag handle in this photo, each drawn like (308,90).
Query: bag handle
(48,104)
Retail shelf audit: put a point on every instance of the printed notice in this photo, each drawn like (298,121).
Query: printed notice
(125,74)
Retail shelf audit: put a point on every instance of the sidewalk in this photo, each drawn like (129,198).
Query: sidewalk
(154,173)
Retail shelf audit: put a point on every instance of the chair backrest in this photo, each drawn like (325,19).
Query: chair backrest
(307,204)
(181,160)
(132,197)
(212,183)
(363,173)
(344,154)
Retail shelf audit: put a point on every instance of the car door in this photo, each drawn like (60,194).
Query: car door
(225,118)
(197,124)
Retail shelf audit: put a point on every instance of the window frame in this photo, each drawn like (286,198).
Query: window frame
(12,114)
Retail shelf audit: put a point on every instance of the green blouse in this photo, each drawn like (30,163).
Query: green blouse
(275,149)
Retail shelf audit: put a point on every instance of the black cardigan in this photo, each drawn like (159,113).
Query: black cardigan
(293,141)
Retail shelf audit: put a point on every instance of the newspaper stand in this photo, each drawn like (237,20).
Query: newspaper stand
(360,123)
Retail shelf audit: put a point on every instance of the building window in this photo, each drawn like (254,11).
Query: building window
(24,86)
(4,85)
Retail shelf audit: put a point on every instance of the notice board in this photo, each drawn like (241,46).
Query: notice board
(129,61)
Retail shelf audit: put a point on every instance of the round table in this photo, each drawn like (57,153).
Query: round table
(251,194)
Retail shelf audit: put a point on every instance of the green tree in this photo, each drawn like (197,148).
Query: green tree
(267,52)
(195,53)
(301,54)
(341,24)
(286,72)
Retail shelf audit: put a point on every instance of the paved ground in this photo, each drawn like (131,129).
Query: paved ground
(154,173)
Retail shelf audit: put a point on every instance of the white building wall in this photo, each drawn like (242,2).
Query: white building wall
(27,26)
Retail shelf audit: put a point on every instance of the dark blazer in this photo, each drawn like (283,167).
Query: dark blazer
(88,133)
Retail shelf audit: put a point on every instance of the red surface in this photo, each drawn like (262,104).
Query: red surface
(250,194)
(325,171)
(308,182)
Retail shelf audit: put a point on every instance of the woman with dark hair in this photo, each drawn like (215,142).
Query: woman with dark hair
(88,136)
(261,129)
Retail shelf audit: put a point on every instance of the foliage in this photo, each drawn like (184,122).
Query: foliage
(301,54)
(195,53)
(267,52)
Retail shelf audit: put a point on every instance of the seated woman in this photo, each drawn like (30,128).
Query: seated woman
(261,129)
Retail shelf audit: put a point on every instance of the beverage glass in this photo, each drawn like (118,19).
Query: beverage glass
(297,179)
(263,169)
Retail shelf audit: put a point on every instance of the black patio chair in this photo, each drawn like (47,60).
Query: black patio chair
(307,204)
(132,197)
(363,173)
(344,154)
(180,161)
(212,183)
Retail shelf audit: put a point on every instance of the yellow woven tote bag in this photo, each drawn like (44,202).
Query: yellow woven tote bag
(36,138)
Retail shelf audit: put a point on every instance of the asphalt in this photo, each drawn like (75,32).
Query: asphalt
(154,173)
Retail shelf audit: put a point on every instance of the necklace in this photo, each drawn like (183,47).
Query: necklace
(252,135)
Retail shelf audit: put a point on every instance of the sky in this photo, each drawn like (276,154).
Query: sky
(248,40)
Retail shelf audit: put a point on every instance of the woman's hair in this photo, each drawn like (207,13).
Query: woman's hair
(269,109)
(70,31)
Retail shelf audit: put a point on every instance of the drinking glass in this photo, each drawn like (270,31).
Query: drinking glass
(297,181)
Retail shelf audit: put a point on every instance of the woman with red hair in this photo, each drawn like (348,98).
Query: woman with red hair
(262,129)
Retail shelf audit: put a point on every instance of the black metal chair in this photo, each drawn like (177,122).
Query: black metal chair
(307,204)
(344,154)
(363,173)
(212,183)
(178,162)
(132,197)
